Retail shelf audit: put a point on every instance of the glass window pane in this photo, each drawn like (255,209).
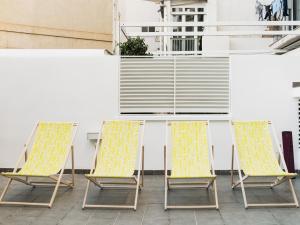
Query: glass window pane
(177,29)
(190,9)
(177,18)
(151,29)
(200,29)
(189,18)
(200,18)
(189,29)
(199,39)
(176,9)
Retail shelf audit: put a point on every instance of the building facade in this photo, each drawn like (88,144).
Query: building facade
(186,40)
(56,24)
(96,24)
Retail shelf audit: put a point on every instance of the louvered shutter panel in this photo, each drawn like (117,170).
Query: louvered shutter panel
(146,85)
(202,85)
(181,85)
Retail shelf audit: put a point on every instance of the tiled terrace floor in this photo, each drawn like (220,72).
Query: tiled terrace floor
(67,207)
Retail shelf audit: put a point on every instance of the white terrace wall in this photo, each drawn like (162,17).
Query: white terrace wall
(66,85)
(82,86)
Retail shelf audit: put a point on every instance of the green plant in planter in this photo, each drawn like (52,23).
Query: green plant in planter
(134,46)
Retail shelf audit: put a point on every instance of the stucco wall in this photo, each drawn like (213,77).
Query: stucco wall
(82,86)
(56,24)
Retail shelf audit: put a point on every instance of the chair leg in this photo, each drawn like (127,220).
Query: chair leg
(293,193)
(232,165)
(216,194)
(73,166)
(143,166)
(5,189)
(166,177)
(241,181)
(166,192)
(136,193)
(56,188)
(85,194)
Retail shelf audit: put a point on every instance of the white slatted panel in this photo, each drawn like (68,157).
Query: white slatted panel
(179,85)
(202,85)
(146,85)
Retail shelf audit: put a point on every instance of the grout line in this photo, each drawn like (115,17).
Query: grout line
(144,213)
(222,218)
(275,218)
(116,220)
(89,218)
(196,222)
(65,215)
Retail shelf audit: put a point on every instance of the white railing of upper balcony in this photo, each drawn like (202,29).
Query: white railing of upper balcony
(187,43)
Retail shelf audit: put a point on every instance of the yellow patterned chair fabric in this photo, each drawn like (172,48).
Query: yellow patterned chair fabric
(255,149)
(49,150)
(190,151)
(118,150)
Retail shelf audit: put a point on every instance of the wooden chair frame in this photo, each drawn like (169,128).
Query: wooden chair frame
(243,184)
(190,185)
(55,181)
(134,182)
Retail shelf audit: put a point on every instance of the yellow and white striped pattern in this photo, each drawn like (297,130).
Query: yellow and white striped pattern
(49,150)
(190,151)
(118,150)
(255,149)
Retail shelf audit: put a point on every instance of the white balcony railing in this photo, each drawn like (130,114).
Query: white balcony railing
(184,44)
(176,42)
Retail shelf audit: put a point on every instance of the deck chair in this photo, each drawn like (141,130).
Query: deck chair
(45,155)
(256,159)
(192,159)
(119,147)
